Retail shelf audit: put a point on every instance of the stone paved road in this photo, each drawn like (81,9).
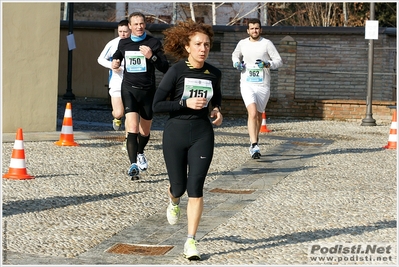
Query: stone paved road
(317,182)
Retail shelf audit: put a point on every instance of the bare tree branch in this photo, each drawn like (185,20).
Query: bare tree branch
(298,12)
(236,18)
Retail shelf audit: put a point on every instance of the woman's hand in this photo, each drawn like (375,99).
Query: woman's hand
(215,113)
(196,102)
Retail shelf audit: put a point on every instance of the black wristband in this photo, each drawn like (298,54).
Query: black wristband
(183,103)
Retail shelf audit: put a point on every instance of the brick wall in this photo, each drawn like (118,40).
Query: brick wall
(324,75)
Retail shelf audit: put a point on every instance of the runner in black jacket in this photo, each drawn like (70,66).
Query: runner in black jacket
(190,92)
(142,54)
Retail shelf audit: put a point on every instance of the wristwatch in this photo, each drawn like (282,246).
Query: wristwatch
(154,58)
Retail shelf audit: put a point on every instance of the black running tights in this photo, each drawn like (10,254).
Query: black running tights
(188,150)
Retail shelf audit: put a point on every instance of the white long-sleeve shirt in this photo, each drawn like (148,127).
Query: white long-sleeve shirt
(105,60)
(249,52)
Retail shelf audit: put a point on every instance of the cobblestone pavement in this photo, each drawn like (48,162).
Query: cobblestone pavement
(317,182)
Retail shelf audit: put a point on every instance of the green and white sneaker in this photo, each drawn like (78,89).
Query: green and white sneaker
(173,213)
(190,250)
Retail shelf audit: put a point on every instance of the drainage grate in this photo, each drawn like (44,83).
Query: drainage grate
(232,191)
(143,250)
(110,138)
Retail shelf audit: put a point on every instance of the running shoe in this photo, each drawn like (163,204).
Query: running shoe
(116,124)
(173,213)
(254,151)
(134,171)
(142,162)
(190,250)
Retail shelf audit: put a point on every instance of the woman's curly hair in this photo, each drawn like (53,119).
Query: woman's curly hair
(178,36)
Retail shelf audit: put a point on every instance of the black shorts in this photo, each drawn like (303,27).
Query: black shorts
(138,99)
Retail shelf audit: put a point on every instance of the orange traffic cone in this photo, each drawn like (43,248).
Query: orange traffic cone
(66,137)
(263,127)
(392,139)
(17,170)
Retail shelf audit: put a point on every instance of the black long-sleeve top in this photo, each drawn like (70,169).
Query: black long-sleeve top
(169,94)
(141,79)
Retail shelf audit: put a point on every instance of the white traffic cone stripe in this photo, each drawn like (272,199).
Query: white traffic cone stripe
(394,125)
(67,129)
(68,113)
(19,144)
(392,138)
(17,163)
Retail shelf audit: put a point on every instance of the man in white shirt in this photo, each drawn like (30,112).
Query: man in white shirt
(115,77)
(254,57)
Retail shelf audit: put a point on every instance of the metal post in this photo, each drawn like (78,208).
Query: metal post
(69,95)
(369,121)
(65,11)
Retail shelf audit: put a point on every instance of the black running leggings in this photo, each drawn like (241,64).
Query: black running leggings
(188,151)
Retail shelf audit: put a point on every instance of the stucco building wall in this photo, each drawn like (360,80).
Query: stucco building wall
(30,66)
